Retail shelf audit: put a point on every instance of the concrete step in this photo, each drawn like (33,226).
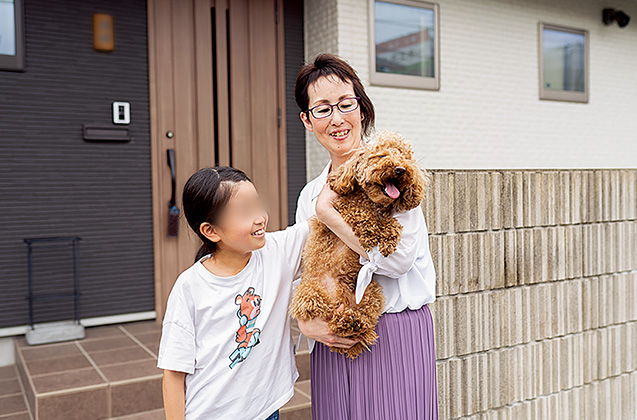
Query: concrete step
(146,415)
(299,407)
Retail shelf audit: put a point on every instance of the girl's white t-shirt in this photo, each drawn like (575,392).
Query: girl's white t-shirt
(231,335)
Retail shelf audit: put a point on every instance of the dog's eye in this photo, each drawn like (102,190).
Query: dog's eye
(381,156)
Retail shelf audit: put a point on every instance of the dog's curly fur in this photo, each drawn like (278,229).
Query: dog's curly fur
(330,268)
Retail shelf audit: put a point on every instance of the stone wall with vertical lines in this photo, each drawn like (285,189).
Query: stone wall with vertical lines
(536,314)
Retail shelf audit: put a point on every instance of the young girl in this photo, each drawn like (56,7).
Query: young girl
(226,347)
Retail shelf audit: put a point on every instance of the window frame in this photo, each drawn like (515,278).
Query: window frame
(16,62)
(564,96)
(403,80)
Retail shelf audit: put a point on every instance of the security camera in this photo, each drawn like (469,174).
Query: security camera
(622,19)
(611,15)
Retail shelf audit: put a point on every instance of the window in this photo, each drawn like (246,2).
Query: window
(563,64)
(404,46)
(11,35)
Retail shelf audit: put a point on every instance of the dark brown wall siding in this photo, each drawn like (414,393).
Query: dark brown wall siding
(54,183)
(294,58)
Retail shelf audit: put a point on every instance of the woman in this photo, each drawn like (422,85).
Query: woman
(397,378)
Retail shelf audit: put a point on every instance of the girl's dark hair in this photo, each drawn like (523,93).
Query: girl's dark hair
(206,193)
(331,65)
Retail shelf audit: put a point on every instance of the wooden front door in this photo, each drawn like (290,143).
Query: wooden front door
(217,94)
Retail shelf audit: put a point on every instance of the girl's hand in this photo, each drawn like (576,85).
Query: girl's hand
(317,330)
(325,204)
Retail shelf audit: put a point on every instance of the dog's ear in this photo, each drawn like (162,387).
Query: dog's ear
(414,194)
(343,180)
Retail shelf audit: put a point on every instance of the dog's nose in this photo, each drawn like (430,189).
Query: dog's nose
(399,170)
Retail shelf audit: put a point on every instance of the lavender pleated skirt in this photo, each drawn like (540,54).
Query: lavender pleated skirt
(396,380)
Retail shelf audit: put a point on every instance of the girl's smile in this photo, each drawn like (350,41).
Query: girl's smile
(242,225)
(259,233)
(239,230)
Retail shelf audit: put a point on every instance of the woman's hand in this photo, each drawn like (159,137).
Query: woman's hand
(317,330)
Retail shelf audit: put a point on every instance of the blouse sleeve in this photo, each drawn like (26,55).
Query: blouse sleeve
(413,243)
(303,207)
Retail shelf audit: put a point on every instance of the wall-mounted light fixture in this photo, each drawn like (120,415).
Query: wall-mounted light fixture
(103,37)
(611,15)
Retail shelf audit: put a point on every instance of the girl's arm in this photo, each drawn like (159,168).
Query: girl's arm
(174,385)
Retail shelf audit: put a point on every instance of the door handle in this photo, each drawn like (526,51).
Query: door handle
(173,211)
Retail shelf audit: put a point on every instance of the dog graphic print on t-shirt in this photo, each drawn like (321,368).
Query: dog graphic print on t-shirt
(247,336)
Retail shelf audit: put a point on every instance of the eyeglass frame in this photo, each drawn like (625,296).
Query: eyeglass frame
(358,105)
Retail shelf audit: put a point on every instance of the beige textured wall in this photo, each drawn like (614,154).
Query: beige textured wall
(536,316)
(487,113)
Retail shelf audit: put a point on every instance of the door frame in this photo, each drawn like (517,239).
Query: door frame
(181,101)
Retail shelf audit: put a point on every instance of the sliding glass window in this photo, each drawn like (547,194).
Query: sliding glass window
(563,63)
(11,35)
(404,46)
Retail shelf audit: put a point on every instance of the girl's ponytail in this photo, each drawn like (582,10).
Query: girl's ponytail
(206,193)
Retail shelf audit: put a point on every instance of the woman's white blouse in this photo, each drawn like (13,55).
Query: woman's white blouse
(407,276)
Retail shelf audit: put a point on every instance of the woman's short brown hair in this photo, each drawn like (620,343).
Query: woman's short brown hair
(326,65)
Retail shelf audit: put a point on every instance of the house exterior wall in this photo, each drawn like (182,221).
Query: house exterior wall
(487,113)
(54,183)
(295,131)
(535,316)
(536,264)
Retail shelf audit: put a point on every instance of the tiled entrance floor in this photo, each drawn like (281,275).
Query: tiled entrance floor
(111,374)
(13,404)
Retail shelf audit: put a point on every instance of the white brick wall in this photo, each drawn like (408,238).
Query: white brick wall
(321,36)
(487,113)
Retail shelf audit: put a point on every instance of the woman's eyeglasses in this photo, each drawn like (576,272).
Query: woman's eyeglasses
(344,106)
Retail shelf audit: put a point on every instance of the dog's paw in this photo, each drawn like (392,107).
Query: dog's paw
(368,242)
(387,248)
(368,338)
(352,352)
(346,323)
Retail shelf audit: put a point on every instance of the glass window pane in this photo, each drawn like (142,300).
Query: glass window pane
(7,27)
(404,39)
(564,60)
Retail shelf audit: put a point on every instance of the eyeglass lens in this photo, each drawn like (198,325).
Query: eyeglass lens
(344,106)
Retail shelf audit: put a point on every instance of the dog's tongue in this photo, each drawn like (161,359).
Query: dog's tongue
(391,190)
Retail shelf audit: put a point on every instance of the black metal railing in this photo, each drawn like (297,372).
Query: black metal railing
(74,242)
